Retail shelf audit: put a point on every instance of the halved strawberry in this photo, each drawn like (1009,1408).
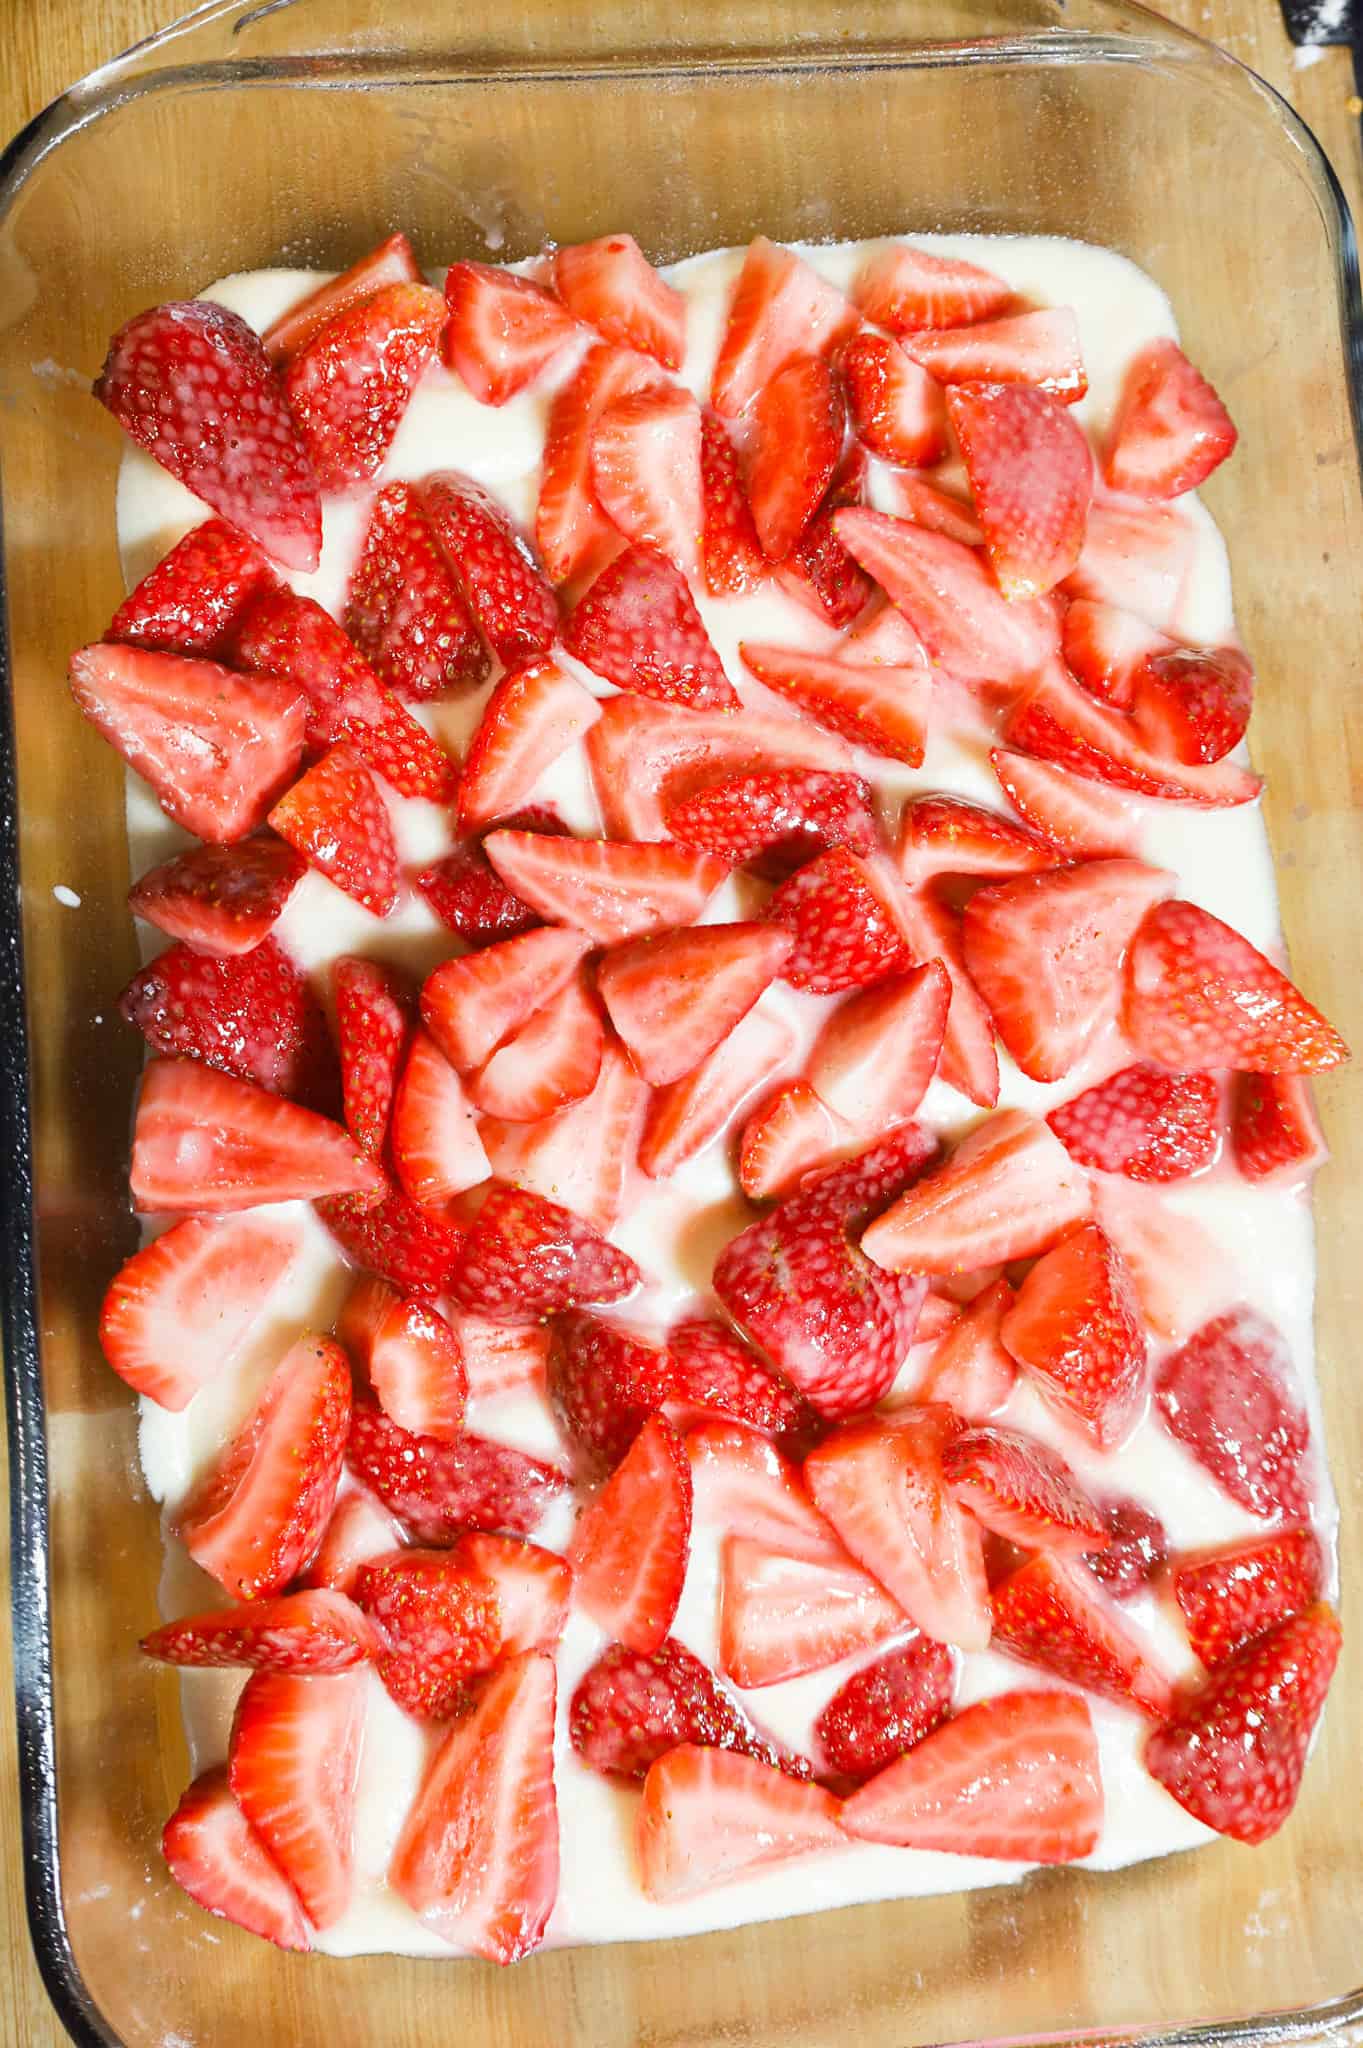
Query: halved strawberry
(502,331)
(582,1155)
(886,1707)
(178,1312)
(215,1855)
(1076,1328)
(1193,703)
(477,1859)
(970,1370)
(873,693)
(715,1373)
(775,819)
(932,931)
(1171,430)
(336,818)
(1031,476)
(1052,1613)
(1046,951)
(1230,1596)
(799,420)
(612,286)
(948,835)
(514,607)
(710,1817)
(254,1016)
(414,1248)
(526,1257)
(605,1381)
(610,889)
(908,289)
(500,1356)
(818,572)
(1059,721)
(472,1004)
(1086,820)
(259,1512)
(1008,1191)
(217,748)
(532,1587)
(790,1135)
(1136,1550)
(206,1141)
(1198,994)
(940,511)
(691,1112)
(436,1627)
(630,1709)
(781,310)
(873,1060)
(639,628)
(191,384)
(1235,1753)
(372,1026)
(434,1136)
(349,385)
(221,900)
(409,1355)
(673,996)
(896,406)
(1180,1272)
(574,535)
(191,601)
(360,1528)
(1039,348)
(1136,556)
(782,1616)
(1105,648)
(553,1060)
(1015,1777)
(310,1632)
(745,1487)
(1229,1396)
(391,263)
(730,550)
(1023,1490)
(404,609)
(845,935)
(1274,1131)
(631,1543)
(1144,1122)
(439,1489)
(534,714)
(646,471)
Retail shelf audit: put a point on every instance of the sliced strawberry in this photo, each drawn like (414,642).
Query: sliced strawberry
(1137,556)
(630,1546)
(628,1710)
(391,263)
(532,1587)
(782,1616)
(948,835)
(1144,1122)
(886,1707)
(1008,1191)
(1060,722)
(611,285)
(610,889)
(312,1632)
(745,1487)
(359,1529)
(908,290)
(1199,995)
(1023,1490)
(1086,820)
(336,818)
(645,469)
(1235,1753)
(876,699)
(499,1356)
(215,1855)
(410,1356)
(552,1061)
(258,1514)
(1193,703)
(191,601)
(1051,1613)
(526,1257)
(372,1026)
(730,550)
(896,406)
(533,716)
(1179,1270)
(1136,1549)
(1031,476)
(715,1373)
(1015,1777)
(502,331)
(350,384)
(1171,430)
(970,1369)
(584,1154)
(1076,1328)
(605,1381)
(438,1489)
(1229,1397)
(710,1817)
(468,896)
(932,931)
(788,1137)
(639,628)
(1228,1597)
(873,1060)
(674,996)
(818,572)
(515,609)
(939,511)
(775,819)
(191,384)
(938,1315)
(799,420)
(471,1005)
(573,533)
(221,900)
(413,1248)
(692,1112)
(216,747)
(781,310)
(1040,348)
(254,1016)
(844,934)
(1105,648)
(178,1312)
(206,1141)
(404,609)
(436,1147)
(1046,951)
(436,1625)
(1274,1131)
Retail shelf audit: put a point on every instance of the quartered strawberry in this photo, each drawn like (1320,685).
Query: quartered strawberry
(896,406)
(774,819)
(404,609)
(1137,556)
(1193,703)
(500,1356)
(780,1617)
(611,285)
(178,1312)
(1144,1122)
(886,1707)
(216,747)
(874,691)
(215,1855)
(1136,1549)
(472,1004)
(818,571)
(932,931)
(207,1141)
(436,1149)
(258,1514)
(1046,952)
(646,471)
(1085,820)
(970,1370)
(909,290)
(477,1860)
(413,1248)
(1031,476)
(908,496)
(190,602)
(514,607)
(631,1708)
(254,1016)
(1230,1596)
(392,262)
(710,1817)
(438,1490)
(582,1155)
(534,715)
(1052,1613)
(692,1112)
(1023,1490)
(1229,1397)
(715,1373)
(1105,648)
(502,331)
(1057,720)
(731,553)
(372,1027)
(948,835)
(1076,1328)
(1274,1131)
(781,310)
(790,1135)
(1234,1754)
(639,628)
(360,1528)
(605,1381)
(350,384)
(1015,1777)
(1198,994)
(409,1355)
(1170,431)
(526,1257)
(469,897)
(798,424)
(310,1632)
(532,1587)
(572,531)
(609,889)
(1040,348)
(293,1764)
(845,935)
(675,995)
(872,1061)
(745,1487)
(1008,1191)
(1180,1272)
(436,1626)
(191,384)
(221,900)
(336,818)
(631,1543)
(552,1061)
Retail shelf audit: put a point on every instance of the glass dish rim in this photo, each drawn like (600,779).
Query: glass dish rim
(127,77)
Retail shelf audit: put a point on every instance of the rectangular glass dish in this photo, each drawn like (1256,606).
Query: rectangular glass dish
(303,134)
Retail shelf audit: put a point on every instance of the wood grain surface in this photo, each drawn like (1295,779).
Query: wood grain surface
(46,44)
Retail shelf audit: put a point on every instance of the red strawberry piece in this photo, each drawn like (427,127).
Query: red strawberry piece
(336,818)
(477,1860)
(502,331)
(939,1314)
(780,1617)
(781,310)
(1052,1613)
(515,608)
(206,1141)
(215,1855)
(216,747)
(1040,348)
(932,931)
(191,384)
(947,835)
(1229,1398)
(908,289)
(1105,648)
(372,1025)
(533,716)
(775,819)
(472,1004)
(818,571)
(439,1489)
(410,1357)
(178,1312)
(526,1257)
(1046,951)
(1274,1131)
(391,263)
(436,1147)
(1015,1777)
(500,1356)
(970,1370)
(692,1112)
(1058,721)
(1085,820)
(1199,995)
(436,1625)
(1137,1547)
(574,535)
(190,602)
(405,610)
(255,1519)
(612,286)
(873,1060)
(939,511)
(1022,1489)
(789,1136)
(605,1381)
(630,1546)
(714,1372)
(553,1060)
(1136,556)
(1007,1192)
(1076,1328)
(730,550)
(583,1154)
(1194,703)
(799,420)
(1228,1597)
(845,935)
(639,628)
(896,406)
(1180,1272)
(873,694)
(293,1765)
(1171,430)
(1234,1754)
(302,1632)
(358,1530)
(645,469)
(254,1016)
(532,1587)
(413,1248)
(221,900)
(610,889)
(630,1708)
(1144,1122)
(675,995)
(349,386)
(469,897)
(1031,476)
(744,1486)
(886,1707)
(711,1817)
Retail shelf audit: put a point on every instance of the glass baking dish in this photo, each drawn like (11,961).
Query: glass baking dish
(304,133)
